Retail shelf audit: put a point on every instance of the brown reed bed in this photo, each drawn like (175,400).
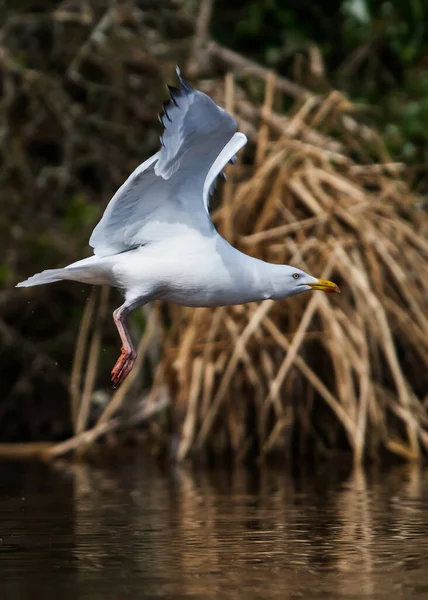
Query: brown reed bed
(315,373)
(315,188)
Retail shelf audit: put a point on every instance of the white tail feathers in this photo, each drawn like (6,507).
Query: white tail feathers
(48,276)
(88,270)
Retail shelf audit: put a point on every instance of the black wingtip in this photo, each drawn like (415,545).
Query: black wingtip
(165,105)
(173,90)
(174,93)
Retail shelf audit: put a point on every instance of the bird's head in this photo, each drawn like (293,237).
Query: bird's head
(299,281)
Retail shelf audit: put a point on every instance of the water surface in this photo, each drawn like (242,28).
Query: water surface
(136,530)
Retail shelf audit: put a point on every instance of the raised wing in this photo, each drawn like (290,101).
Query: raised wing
(172,187)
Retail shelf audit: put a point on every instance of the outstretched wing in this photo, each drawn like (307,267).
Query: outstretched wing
(172,187)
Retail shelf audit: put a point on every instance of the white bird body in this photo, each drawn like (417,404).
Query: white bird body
(189,269)
(156,239)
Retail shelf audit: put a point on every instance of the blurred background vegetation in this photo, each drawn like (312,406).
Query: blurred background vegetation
(81,83)
(375,50)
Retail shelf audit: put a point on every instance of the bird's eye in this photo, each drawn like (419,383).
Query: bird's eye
(296,276)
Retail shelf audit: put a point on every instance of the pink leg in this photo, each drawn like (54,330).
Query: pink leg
(126,360)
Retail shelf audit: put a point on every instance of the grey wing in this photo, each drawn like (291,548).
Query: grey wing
(172,187)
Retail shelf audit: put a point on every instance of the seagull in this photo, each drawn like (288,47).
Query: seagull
(156,240)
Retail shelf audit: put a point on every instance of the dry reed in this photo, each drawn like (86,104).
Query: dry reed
(317,189)
(315,373)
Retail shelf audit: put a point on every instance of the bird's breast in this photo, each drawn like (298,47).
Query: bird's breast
(202,274)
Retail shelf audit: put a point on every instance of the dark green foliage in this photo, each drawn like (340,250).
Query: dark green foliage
(374,50)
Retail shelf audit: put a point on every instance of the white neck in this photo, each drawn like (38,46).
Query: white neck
(263,280)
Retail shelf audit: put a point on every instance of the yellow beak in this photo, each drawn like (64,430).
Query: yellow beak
(325,286)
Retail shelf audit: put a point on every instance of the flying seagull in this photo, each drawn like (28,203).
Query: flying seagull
(156,240)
